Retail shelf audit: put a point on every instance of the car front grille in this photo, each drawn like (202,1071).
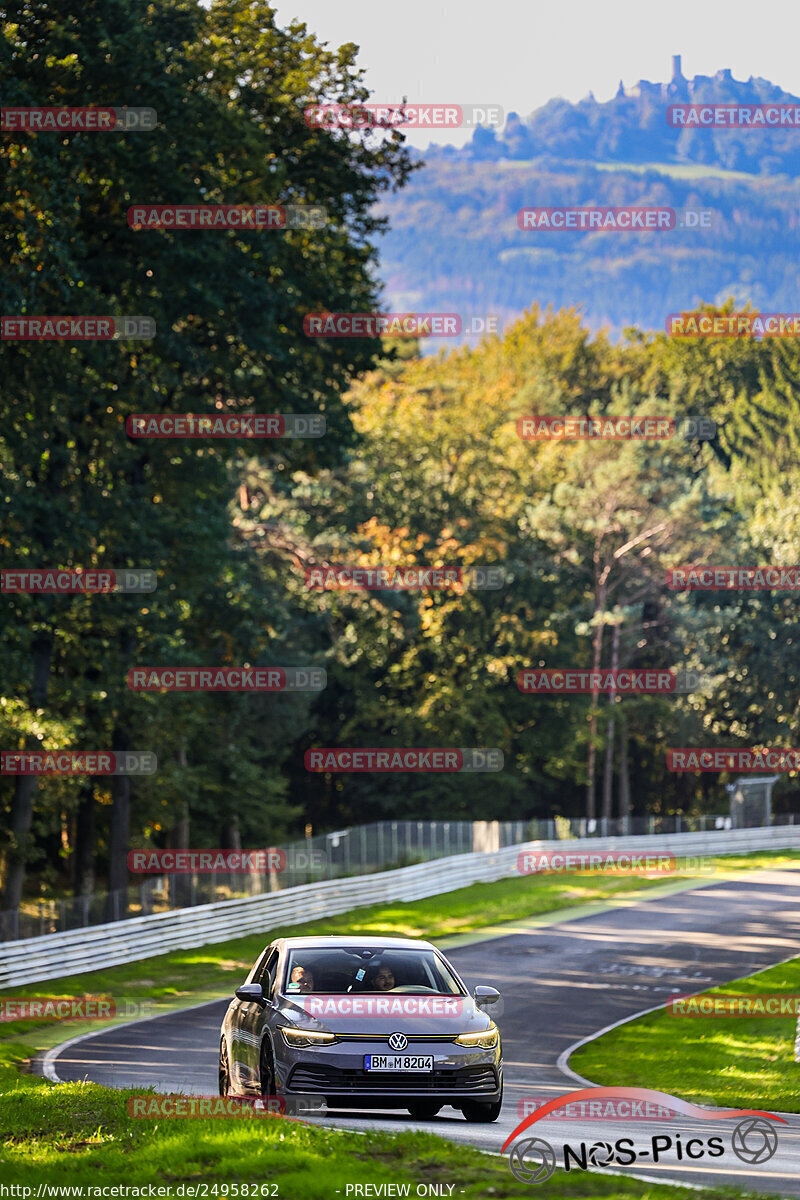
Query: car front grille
(384,1037)
(344,1081)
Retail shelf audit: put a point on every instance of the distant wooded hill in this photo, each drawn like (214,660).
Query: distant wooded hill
(454,244)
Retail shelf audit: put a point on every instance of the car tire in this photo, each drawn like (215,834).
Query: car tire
(266,1071)
(424,1110)
(475,1111)
(224,1070)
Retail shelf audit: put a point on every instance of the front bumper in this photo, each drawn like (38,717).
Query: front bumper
(459,1074)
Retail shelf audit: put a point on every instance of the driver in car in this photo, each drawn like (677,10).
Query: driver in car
(302,980)
(383,980)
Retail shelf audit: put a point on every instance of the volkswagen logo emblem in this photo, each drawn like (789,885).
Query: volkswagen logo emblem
(532,1161)
(397,1041)
(754,1140)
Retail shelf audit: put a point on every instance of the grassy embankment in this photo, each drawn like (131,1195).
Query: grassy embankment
(736,1062)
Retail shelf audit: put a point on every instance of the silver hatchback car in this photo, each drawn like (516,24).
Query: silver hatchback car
(363,1022)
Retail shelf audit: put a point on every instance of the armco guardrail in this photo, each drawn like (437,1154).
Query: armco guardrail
(78,950)
(355,850)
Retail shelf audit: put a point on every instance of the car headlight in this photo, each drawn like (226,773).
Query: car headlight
(306,1037)
(484,1041)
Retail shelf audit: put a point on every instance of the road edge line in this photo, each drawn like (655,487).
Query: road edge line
(43,1063)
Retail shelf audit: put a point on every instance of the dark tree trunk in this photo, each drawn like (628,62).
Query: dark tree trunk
(597,651)
(180,884)
(608,773)
(119,836)
(21,817)
(83,860)
(230,834)
(624,768)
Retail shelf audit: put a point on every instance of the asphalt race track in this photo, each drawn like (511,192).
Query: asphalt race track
(560,983)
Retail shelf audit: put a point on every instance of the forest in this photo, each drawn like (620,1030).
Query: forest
(421,467)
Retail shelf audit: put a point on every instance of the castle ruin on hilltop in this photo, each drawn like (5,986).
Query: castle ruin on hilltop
(678,86)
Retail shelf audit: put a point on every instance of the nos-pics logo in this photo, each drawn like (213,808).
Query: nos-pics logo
(754,1139)
(533,1160)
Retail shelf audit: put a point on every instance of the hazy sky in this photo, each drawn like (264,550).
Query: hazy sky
(521,53)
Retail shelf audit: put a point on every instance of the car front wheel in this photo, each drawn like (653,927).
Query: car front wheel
(224,1071)
(267,1071)
(424,1110)
(475,1111)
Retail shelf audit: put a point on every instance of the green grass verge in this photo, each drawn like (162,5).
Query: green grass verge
(737,1062)
(81,1133)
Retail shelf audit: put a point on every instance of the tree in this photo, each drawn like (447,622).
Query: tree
(230,89)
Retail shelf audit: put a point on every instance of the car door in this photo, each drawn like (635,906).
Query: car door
(255,1016)
(244,1046)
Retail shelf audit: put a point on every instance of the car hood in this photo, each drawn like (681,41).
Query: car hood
(385,1013)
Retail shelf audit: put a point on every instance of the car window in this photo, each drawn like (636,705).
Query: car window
(266,972)
(355,969)
(255,972)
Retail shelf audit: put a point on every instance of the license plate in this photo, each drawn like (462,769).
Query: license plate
(398,1062)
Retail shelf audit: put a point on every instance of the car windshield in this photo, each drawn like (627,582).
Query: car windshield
(361,969)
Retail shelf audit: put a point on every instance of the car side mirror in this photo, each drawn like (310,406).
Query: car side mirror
(251,993)
(485,997)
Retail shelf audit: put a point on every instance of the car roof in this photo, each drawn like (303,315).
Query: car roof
(333,941)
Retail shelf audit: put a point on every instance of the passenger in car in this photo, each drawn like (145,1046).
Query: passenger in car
(383,980)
